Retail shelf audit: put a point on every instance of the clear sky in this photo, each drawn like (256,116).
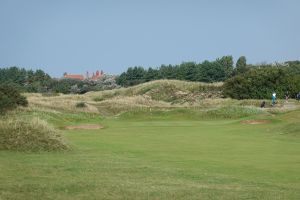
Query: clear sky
(78,35)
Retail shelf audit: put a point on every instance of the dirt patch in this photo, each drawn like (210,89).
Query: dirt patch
(261,121)
(84,127)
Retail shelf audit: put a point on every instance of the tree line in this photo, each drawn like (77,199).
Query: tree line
(241,81)
(24,80)
(260,81)
(218,70)
(39,81)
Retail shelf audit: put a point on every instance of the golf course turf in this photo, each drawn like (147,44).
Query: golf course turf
(160,158)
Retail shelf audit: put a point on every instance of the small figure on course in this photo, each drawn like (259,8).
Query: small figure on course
(273,98)
(263,104)
(287,95)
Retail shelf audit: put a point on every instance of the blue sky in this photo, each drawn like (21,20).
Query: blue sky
(78,35)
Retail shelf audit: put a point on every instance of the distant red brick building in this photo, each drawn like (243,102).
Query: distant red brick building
(97,75)
(81,77)
(74,76)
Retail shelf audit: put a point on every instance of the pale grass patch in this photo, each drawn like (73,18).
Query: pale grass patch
(156,94)
(182,86)
(29,134)
(135,101)
(63,102)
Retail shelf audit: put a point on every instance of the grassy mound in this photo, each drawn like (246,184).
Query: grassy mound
(292,129)
(173,91)
(36,135)
(160,94)
(233,112)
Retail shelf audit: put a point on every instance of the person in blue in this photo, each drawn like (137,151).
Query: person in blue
(273,98)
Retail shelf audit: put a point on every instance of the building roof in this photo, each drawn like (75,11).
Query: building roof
(74,76)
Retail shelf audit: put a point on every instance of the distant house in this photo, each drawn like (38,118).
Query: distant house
(96,76)
(74,76)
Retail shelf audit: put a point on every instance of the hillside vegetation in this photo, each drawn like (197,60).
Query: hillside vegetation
(155,94)
(172,91)
(160,94)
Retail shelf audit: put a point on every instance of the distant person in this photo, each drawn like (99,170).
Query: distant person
(298,96)
(287,95)
(273,98)
(263,104)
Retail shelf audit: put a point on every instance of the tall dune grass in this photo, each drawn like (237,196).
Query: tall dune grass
(156,94)
(29,135)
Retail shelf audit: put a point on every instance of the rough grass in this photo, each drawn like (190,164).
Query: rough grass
(29,135)
(63,103)
(165,90)
(228,112)
(81,105)
(162,94)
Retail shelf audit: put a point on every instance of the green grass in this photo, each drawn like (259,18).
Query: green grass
(161,155)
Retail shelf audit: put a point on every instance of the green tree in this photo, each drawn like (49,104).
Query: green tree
(10,98)
(259,83)
(227,64)
(241,65)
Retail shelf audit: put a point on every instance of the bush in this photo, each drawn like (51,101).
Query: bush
(260,83)
(80,105)
(34,135)
(99,98)
(10,98)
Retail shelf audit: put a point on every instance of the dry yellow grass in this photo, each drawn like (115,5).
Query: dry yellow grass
(144,95)
(156,94)
(61,102)
(24,134)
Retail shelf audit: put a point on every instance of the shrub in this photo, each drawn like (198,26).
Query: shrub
(99,98)
(80,105)
(10,98)
(261,82)
(34,135)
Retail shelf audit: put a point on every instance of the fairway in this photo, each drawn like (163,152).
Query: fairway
(172,158)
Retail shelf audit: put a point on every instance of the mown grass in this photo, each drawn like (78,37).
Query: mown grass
(174,155)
